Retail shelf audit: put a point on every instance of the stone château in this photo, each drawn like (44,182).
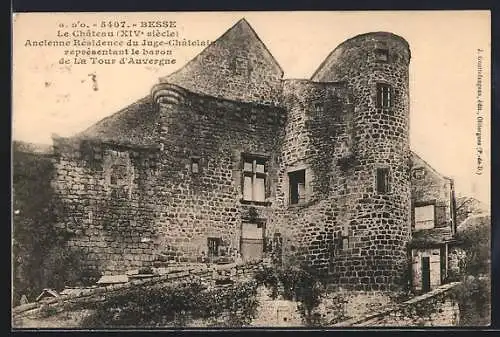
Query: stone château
(226,158)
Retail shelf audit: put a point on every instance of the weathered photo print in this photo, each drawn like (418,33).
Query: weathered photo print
(251,169)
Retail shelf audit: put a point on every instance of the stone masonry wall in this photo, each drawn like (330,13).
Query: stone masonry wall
(191,207)
(436,308)
(163,210)
(315,139)
(102,187)
(379,222)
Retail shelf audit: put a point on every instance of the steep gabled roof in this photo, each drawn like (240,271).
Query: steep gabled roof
(213,71)
(137,123)
(416,159)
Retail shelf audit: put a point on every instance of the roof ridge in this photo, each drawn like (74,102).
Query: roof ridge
(240,22)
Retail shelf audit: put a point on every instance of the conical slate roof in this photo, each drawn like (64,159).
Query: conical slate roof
(237,66)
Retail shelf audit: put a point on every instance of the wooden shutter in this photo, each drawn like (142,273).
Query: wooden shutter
(441,219)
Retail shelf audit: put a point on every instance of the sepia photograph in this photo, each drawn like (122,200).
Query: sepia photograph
(293,169)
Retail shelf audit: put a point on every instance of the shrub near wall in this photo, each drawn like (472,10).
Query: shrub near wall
(474,293)
(191,304)
(40,257)
(295,283)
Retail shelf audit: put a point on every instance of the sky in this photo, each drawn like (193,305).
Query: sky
(50,98)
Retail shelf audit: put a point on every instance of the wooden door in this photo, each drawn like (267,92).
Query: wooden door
(426,274)
(252,241)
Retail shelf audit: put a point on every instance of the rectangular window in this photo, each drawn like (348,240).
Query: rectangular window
(382,180)
(382,55)
(383,96)
(195,165)
(240,66)
(297,186)
(345,243)
(424,217)
(254,179)
(113,179)
(213,247)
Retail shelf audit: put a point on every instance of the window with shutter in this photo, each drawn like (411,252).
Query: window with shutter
(424,217)
(441,220)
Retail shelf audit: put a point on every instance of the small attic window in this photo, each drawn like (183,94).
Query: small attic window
(418,173)
(382,55)
(240,65)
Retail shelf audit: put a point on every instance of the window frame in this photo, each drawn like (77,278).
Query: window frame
(195,161)
(254,174)
(424,204)
(381,51)
(382,102)
(240,66)
(290,174)
(217,243)
(118,175)
(319,107)
(387,180)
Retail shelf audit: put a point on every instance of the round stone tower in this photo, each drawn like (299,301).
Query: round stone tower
(377,228)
